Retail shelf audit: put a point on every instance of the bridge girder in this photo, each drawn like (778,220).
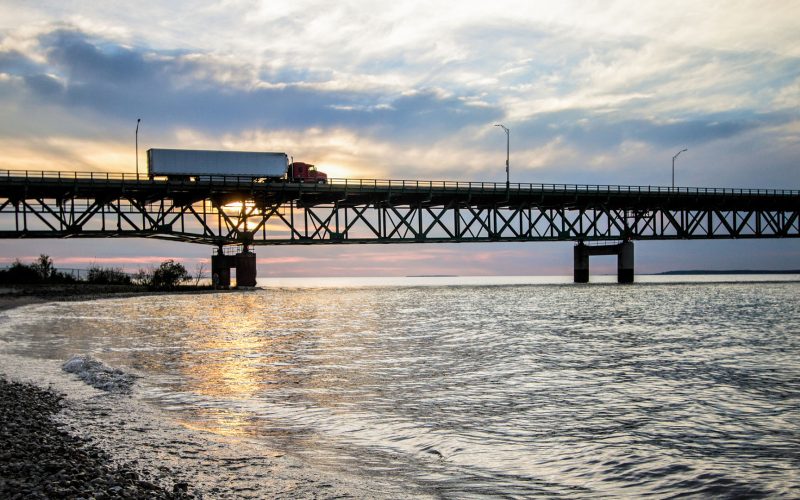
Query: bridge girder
(232,210)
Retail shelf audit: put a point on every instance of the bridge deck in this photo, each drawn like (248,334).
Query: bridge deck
(16,185)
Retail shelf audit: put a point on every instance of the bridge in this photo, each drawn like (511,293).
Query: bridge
(234,214)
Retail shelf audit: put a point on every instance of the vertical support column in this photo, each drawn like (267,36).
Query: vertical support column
(581,270)
(625,262)
(220,270)
(245,269)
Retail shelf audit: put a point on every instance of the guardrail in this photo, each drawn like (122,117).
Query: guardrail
(393,184)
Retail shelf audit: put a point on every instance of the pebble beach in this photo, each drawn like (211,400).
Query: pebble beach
(40,459)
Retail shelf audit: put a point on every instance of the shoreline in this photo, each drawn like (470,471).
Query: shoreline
(148,446)
(12,297)
(41,459)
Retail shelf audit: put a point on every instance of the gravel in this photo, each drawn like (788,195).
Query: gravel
(38,459)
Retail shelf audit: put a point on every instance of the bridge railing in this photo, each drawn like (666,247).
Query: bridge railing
(377,184)
(588,188)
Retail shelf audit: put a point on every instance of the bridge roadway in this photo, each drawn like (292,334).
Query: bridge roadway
(224,210)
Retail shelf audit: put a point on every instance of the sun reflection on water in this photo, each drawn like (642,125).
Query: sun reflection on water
(225,422)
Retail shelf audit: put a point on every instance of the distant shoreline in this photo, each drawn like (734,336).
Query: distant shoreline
(730,271)
(433,276)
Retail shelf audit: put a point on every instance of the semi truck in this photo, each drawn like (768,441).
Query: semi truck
(185,164)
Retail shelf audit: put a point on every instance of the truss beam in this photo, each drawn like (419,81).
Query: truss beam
(226,211)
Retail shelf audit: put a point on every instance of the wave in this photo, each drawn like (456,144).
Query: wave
(99,375)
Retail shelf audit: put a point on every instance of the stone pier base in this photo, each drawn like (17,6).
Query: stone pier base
(623,251)
(244,262)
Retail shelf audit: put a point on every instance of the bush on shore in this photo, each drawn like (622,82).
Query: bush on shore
(167,276)
(107,276)
(39,272)
(19,273)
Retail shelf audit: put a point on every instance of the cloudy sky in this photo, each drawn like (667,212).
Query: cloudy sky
(593,92)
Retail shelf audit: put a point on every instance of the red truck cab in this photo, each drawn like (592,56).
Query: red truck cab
(304,172)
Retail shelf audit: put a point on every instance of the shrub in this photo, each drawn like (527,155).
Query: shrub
(165,277)
(20,274)
(44,266)
(107,276)
(144,277)
(59,277)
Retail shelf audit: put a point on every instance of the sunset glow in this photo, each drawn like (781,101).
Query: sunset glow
(593,94)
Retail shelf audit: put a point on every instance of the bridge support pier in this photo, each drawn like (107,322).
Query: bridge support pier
(581,269)
(244,262)
(220,271)
(623,251)
(625,262)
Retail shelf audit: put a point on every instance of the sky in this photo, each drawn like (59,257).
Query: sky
(593,93)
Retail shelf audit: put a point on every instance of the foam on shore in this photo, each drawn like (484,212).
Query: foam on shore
(98,375)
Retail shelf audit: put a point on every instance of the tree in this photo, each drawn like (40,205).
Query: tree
(40,271)
(44,266)
(168,275)
(20,274)
(199,272)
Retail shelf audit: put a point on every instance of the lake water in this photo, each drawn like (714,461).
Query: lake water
(473,387)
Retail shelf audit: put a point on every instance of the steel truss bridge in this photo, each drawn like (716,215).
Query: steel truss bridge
(228,210)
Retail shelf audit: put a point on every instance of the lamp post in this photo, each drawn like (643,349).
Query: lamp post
(508,150)
(673,166)
(137,147)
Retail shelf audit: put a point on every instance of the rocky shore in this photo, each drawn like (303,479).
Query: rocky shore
(38,459)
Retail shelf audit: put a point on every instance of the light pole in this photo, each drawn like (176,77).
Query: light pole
(137,147)
(673,166)
(508,150)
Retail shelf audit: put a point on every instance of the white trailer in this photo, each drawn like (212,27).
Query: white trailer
(185,163)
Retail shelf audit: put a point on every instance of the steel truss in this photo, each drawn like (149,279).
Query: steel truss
(257,221)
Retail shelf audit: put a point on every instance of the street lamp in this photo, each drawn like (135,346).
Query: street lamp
(137,147)
(673,166)
(508,150)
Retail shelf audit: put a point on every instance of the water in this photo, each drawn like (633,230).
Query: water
(459,388)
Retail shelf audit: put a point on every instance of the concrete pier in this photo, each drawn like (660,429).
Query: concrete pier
(581,269)
(623,251)
(244,262)
(220,271)
(246,269)
(625,262)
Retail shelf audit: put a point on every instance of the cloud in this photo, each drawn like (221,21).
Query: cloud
(44,85)
(602,134)
(591,93)
(15,62)
(568,95)
(86,62)
(190,89)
